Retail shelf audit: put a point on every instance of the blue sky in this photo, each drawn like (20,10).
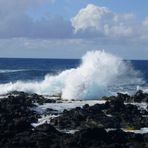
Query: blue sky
(69,8)
(68,29)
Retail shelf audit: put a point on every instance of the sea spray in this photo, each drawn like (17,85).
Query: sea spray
(98,72)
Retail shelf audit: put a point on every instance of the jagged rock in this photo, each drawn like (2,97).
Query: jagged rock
(120,116)
(16,117)
(46,128)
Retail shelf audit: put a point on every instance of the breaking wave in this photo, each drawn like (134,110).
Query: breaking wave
(98,73)
(12,70)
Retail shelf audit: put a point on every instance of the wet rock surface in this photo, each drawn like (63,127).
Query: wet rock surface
(17,116)
(113,114)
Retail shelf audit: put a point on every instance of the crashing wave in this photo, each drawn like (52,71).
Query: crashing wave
(98,72)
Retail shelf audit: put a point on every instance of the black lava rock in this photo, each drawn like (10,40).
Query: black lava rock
(16,130)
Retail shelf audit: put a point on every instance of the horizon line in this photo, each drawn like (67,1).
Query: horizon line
(60,58)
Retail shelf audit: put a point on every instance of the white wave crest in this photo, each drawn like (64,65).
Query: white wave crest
(97,72)
(12,70)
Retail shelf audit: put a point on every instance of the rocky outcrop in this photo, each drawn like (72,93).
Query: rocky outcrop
(16,130)
(113,114)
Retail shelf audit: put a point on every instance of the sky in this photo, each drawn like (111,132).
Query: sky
(70,28)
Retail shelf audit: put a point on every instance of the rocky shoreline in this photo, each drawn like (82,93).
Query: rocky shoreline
(107,125)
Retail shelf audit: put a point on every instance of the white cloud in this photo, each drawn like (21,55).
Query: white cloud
(93,27)
(145,22)
(143,30)
(117,30)
(90,17)
(102,20)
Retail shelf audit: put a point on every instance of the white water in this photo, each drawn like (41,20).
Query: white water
(60,107)
(12,70)
(97,72)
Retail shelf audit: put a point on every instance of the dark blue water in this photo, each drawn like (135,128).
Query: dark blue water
(142,66)
(13,69)
(33,70)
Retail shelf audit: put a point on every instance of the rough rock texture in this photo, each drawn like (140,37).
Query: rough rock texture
(16,131)
(113,114)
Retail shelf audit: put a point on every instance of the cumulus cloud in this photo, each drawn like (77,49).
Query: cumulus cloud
(90,22)
(93,27)
(102,20)
(90,17)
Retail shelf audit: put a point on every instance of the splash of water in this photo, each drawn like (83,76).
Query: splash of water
(97,72)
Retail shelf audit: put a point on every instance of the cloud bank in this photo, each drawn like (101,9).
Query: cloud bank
(16,22)
(91,27)
(91,21)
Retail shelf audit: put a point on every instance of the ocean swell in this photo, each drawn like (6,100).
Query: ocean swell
(98,72)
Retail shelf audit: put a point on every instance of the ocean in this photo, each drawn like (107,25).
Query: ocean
(13,69)
(95,75)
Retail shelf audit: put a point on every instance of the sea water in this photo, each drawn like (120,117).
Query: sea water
(95,75)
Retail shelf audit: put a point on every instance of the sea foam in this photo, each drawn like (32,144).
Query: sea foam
(97,72)
(12,70)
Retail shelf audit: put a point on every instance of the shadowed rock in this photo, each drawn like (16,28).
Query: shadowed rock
(16,131)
